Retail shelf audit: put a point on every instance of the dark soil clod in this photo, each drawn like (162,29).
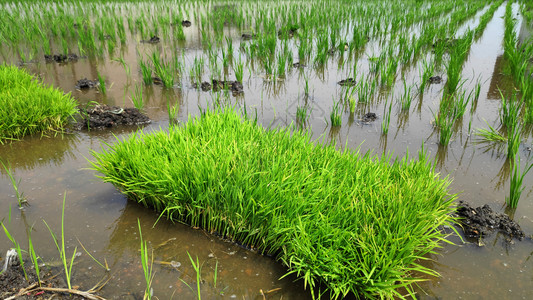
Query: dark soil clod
(369,117)
(435,79)
(86,84)
(153,40)
(61,58)
(234,86)
(247,36)
(481,221)
(103,116)
(298,65)
(157,80)
(347,82)
(186,23)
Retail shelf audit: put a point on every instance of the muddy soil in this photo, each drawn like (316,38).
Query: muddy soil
(369,117)
(482,221)
(85,83)
(435,79)
(61,58)
(12,281)
(234,86)
(347,82)
(103,116)
(186,23)
(153,40)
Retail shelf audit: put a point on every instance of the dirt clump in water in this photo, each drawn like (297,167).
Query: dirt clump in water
(347,82)
(61,58)
(482,221)
(235,87)
(153,40)
(435,79)
(186,23)
(103,116)
(369,117)
(85,83)
(248,36)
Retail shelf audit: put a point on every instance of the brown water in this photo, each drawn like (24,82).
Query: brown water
(51,168)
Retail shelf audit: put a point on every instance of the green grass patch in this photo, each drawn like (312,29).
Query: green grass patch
(27,106)
(342,221)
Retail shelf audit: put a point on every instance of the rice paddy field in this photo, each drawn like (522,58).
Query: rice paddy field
(384,78)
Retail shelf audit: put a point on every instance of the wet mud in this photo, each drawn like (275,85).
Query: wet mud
(186,23)
(85,83)
(153,40)
(347,82)
(435,79)
(369,117)
(13,284)
(103,116)
(482,221)
(61,58)
(216,85)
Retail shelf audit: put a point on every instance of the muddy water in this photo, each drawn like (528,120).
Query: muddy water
(55,168)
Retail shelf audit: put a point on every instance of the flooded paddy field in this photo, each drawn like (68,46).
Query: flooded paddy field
(360,75)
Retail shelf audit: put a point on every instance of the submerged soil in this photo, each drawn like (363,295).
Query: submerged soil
(103,116)
(482,221)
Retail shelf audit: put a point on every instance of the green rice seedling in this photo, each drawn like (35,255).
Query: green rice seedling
(513,140)
(386,118)
(428,67)
(516,182)
(124,64)
(27,106)
(302,113)
(20,195)
(268,188)
(406,98)
(101,84)
(33,256)
(137,97)
(162,70)
(198,270)
(146,72)
(446,129)
(491,135)
(172,111)
(306,86)
(335,115)
(352,102)
(238,68)
(67,263)
(18,248)
(147,262)
(509,111)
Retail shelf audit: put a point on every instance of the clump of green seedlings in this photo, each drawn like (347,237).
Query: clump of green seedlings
(335,116)
(27,106)
(267,189)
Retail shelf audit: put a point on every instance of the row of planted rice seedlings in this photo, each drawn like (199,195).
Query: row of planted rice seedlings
(210,175)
